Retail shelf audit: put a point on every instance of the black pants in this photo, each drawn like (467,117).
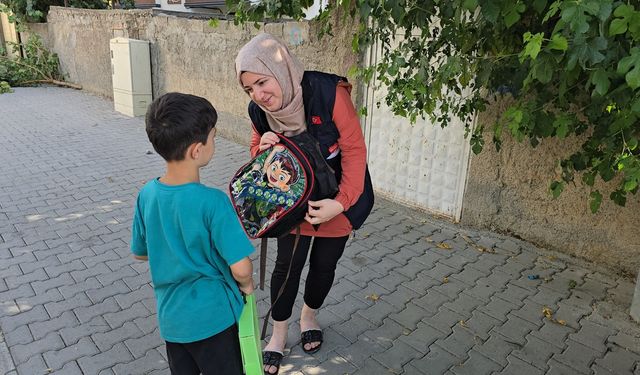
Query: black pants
(325,253)
(216,355)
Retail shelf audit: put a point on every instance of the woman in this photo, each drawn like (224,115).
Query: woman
(287,100)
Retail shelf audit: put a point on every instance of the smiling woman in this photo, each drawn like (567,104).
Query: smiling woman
(285,102)
(264,90)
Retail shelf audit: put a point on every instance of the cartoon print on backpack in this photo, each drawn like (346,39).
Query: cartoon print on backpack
(271,186)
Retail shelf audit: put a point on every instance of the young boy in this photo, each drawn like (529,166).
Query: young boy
(196,248)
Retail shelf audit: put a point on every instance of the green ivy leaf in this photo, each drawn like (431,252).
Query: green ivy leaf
(512,13)
(470,4)
(600,78)
(630,185)
(490,10)
(562,124)
(543,71)
(558,42)
(630,67)
(589,178)
(618,26)
(578,13)
(539,5)
(553,10)
(533,43)
(556,188)
(627,18)
(619,197)
(596,200)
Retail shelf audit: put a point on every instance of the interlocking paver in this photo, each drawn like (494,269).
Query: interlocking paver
(34,314)
(578,356)
(397,356)
(497,348)
(352,328)
(437,361)
(410,316)
(518,366)
(56,359)
(35,365)
(22,353)
(536,352)
(386,333)
(515,329)
(481,324)
(592,335)
(559,368)
(116,290)
(73,301)
(476,364)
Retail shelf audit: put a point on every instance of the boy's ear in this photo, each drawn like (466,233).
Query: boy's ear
(193,151)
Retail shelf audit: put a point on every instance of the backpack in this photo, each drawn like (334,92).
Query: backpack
(270,192)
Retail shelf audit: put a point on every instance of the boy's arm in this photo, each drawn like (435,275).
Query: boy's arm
(138,237)
(231,242)
(242,272)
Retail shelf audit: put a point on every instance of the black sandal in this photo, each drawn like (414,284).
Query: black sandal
(312,335)
(270,358)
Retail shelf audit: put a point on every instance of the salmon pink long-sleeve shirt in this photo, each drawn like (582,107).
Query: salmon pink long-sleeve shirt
(354,161)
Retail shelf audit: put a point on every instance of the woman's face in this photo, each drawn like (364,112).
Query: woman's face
(262,89)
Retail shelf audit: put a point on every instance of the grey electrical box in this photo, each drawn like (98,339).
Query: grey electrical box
(131,75)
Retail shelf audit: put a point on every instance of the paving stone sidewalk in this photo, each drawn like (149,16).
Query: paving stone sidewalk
(413,295)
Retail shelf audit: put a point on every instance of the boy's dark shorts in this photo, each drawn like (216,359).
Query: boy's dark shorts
(218,354)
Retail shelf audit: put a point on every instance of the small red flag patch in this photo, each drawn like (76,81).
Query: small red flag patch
(316,120)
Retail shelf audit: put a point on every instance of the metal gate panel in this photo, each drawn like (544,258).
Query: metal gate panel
(421,164)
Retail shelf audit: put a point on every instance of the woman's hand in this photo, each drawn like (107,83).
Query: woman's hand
(267,140)
(323,210)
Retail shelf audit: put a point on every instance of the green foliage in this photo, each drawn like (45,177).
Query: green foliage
(5,87)
(36,10)
(572,67)
(37,65)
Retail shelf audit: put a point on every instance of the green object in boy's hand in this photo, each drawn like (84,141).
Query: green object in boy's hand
(249,334)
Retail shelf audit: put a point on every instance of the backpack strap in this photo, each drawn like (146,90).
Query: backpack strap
(263,261)
(295,247)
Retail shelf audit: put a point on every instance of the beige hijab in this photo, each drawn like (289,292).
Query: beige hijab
(264,54)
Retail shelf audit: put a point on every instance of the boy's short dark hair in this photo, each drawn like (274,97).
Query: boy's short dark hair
(175,121)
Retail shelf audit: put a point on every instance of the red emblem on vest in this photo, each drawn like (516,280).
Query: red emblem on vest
(316,120)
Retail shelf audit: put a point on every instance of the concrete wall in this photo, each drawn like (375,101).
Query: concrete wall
(41,29)
(508,192)
(9,35)
(187,55)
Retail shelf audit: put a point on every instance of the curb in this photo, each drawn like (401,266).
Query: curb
(7,367)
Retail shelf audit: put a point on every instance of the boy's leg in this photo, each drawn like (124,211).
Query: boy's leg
(180,361)
(218,354)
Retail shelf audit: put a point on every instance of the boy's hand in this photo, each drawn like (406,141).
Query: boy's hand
(248,288)
(267,140)
(323,210)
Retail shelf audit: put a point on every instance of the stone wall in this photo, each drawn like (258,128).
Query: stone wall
(187,54)
(509,192)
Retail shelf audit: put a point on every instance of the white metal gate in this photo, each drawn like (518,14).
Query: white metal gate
(422,165)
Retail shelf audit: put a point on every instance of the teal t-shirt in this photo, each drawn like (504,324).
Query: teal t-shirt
(191,235)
